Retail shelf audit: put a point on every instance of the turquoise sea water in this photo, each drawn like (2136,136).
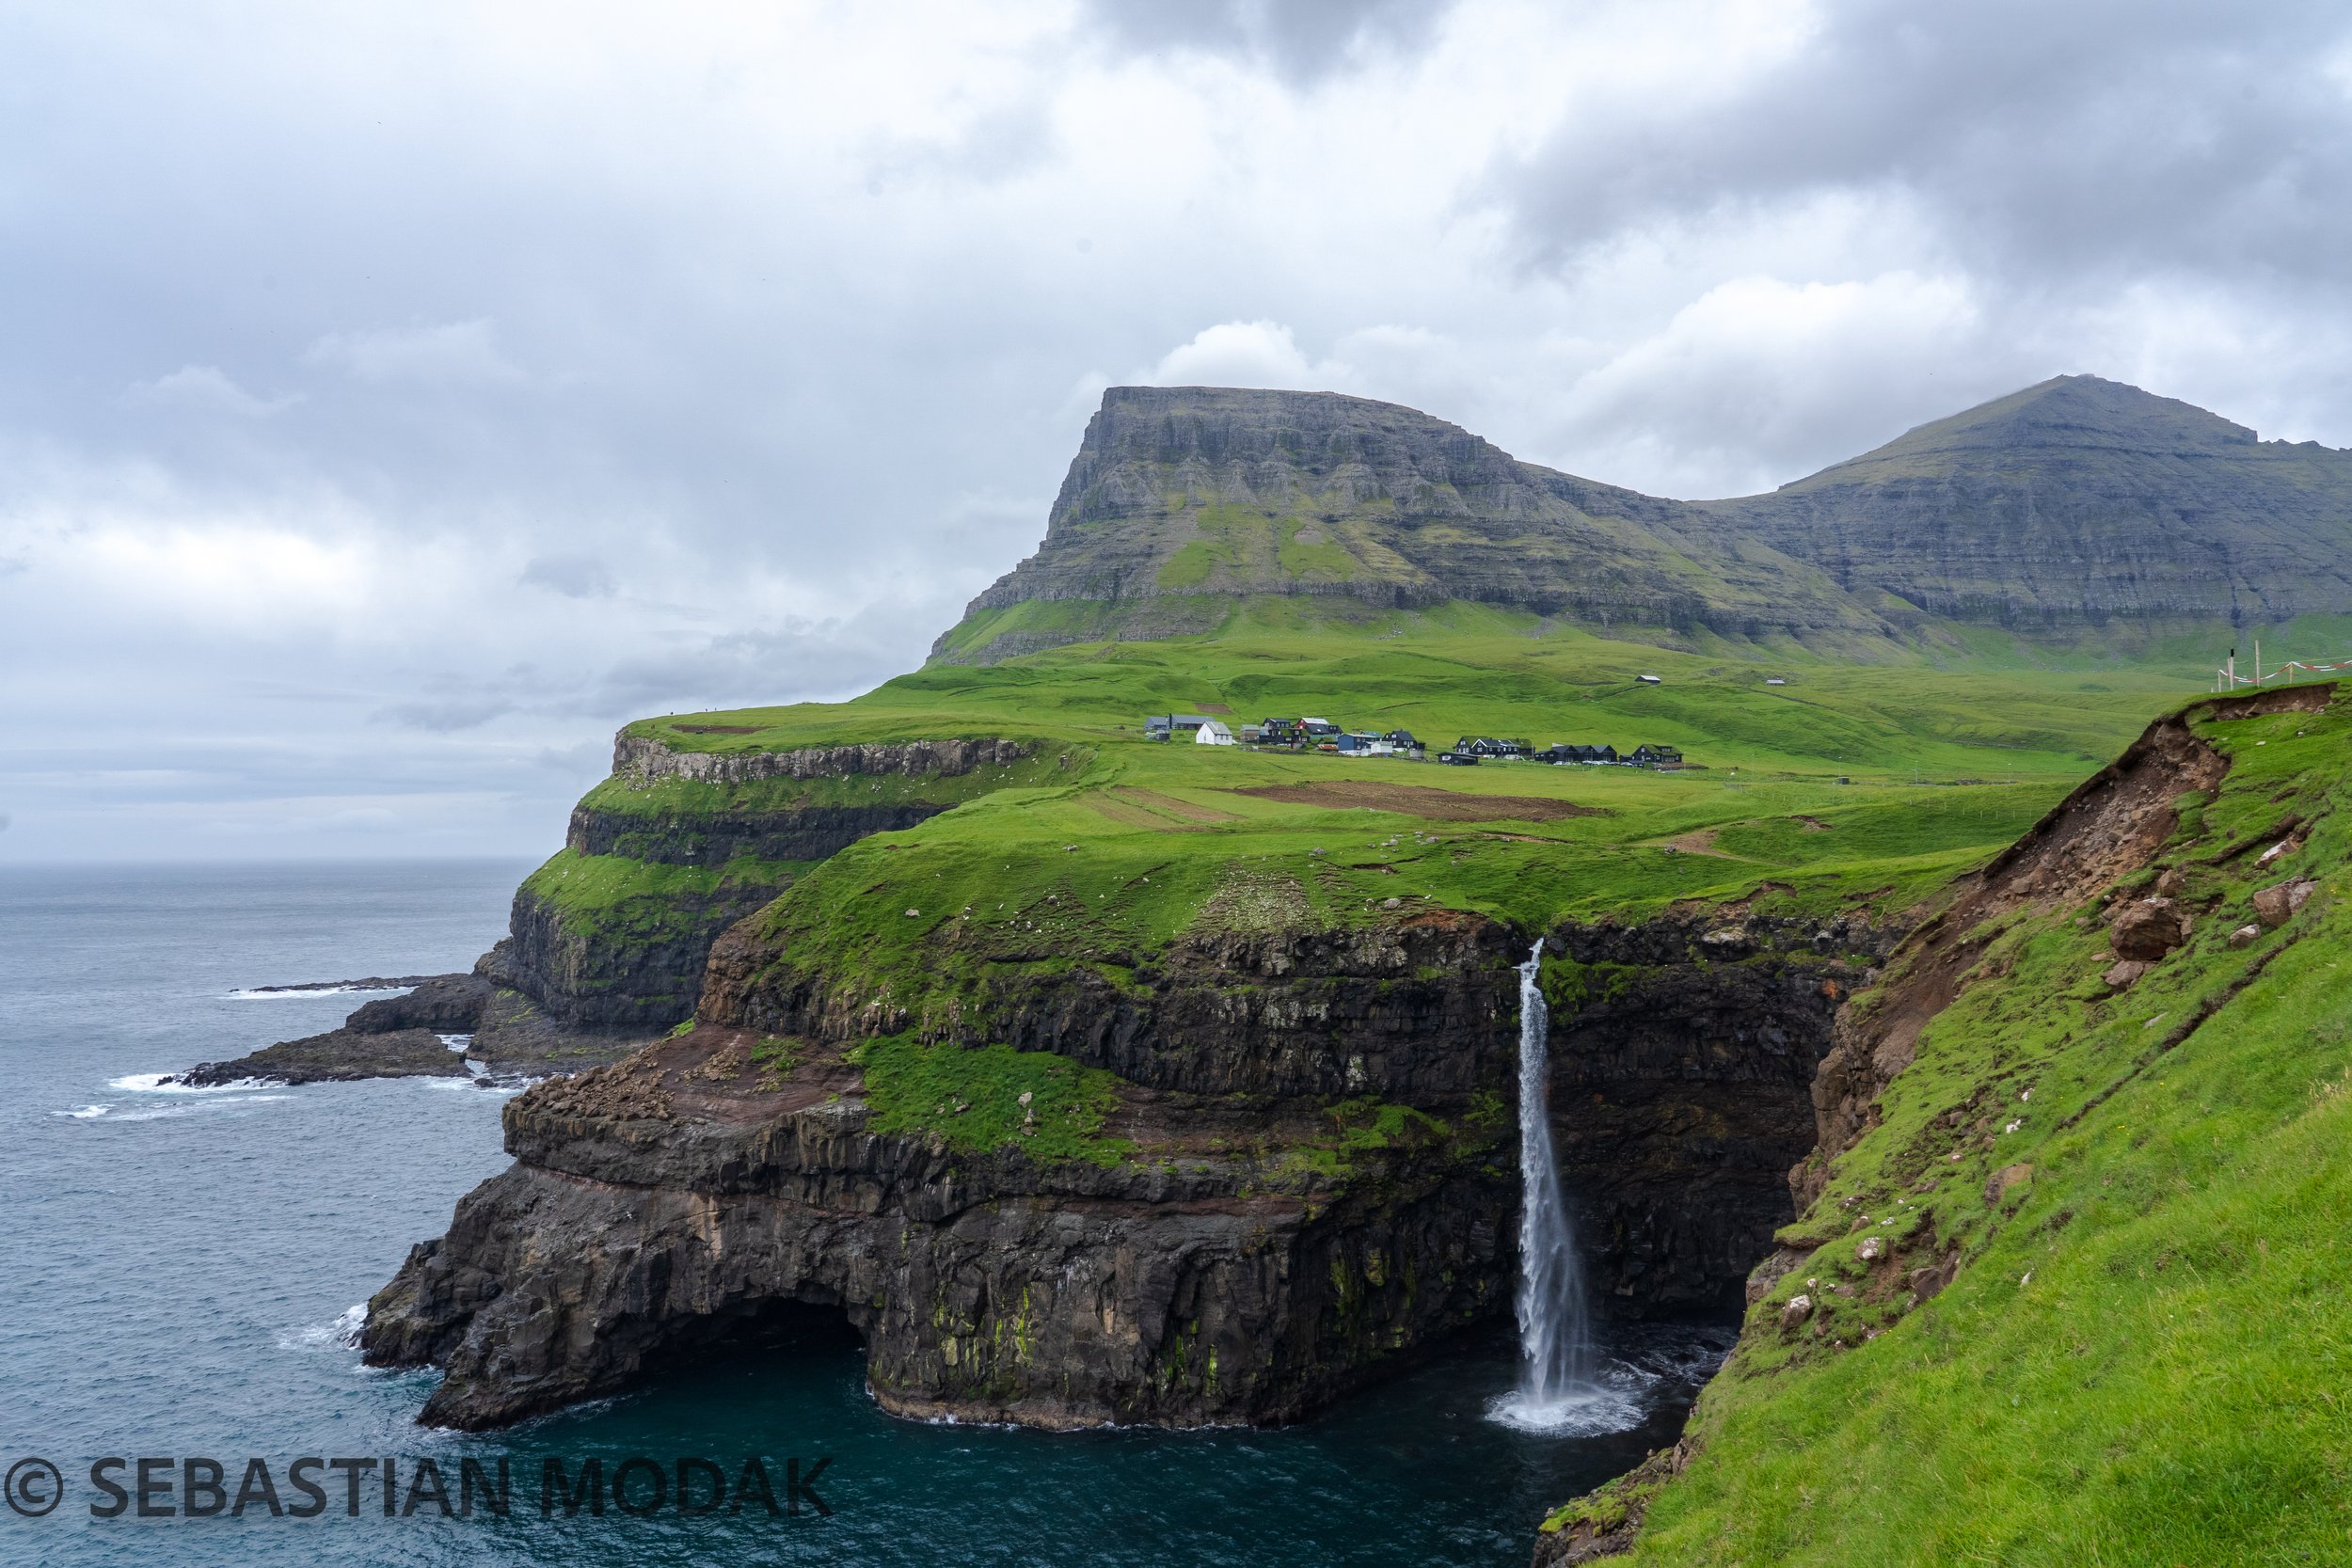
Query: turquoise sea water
(174,1264)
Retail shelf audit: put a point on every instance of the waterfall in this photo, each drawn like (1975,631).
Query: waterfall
(1557,1384)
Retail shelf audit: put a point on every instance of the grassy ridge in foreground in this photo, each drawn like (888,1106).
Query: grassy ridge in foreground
(2144,1358)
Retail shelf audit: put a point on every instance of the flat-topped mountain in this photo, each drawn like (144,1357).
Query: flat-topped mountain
(2074,504)
(2067,510)
(1183,499)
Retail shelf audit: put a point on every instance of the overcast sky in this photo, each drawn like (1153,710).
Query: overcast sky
(397,399)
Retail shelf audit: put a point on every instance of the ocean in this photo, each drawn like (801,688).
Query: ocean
(179,1268)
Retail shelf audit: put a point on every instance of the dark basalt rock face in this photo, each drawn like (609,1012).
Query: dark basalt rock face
(810,834)
(624,980)
(1680,1090)
(648,1214)
(657,1204)
(449,1004)
(583,989)
(1408,1010)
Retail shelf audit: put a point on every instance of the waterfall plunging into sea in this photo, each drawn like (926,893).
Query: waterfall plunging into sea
(1557,1388)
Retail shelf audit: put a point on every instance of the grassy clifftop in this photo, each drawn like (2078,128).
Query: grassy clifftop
(1848,784)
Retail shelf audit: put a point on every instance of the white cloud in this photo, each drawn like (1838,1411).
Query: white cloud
(452,352)
(1760,378)
(1235,354)
(206,389)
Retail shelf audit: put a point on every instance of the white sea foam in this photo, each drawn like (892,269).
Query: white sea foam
(153,1082)
(343,1331)
(455,1042)
(85,1114)
(321,990)
(474,1084)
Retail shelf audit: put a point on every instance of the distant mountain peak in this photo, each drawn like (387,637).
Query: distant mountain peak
(2073,412)
(1184,503)
(2056,509)
(2074,504)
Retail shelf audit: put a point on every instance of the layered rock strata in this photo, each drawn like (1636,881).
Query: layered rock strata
(661,1203)
(1217,1269)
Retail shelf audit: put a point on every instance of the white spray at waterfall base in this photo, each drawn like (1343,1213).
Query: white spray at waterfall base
(1560,1389)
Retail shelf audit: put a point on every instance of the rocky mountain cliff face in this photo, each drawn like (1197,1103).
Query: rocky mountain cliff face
(1183,498)
(2075,505)
(2069,509)
(1225,1265)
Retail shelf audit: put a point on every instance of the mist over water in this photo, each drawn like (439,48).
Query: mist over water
(179,1270)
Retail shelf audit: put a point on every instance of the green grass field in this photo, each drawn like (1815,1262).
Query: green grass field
(1850,784)
(2145,1357)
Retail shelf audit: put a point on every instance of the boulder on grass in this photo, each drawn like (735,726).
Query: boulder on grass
(2276,905)
(2148,928)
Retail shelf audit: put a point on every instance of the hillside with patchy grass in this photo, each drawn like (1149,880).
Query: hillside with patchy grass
(2069,1287)
(1185,502)
(2077,515)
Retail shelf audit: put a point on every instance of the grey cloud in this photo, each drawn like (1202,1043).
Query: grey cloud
(2042,141)
(451,350)
(795,662)
(447,715)
(206,389)
(1300,41)
(575,577)
(588,759)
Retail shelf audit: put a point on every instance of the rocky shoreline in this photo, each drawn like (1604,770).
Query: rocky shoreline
(446,1026)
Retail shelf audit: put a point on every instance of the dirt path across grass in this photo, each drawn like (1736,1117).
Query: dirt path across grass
(1439,805)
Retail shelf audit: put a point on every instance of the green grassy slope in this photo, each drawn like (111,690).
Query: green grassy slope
(1463,669)
(1106,845)
(2145,1356)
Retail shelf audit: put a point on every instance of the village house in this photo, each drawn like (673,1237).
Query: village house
(1567,752)
(1487,746)
(1664,759)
